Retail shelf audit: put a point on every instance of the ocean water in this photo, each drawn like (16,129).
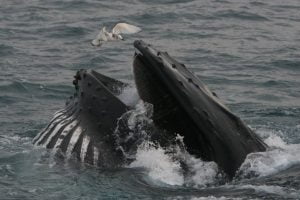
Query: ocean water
(248,52)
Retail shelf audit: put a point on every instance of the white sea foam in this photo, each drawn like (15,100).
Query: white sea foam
(140,116)
(275,141)
(203,173)
(270,189)
(138,120)
(173,165)
(279,157)
(164,164)
(203,198)
(213,198)
(129,96)
(165,167)
(159,164)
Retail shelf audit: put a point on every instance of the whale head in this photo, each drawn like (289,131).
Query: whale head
(183,105)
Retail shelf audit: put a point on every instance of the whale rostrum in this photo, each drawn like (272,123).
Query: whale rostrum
(211,131)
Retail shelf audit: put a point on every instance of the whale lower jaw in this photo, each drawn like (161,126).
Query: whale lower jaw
(85,127)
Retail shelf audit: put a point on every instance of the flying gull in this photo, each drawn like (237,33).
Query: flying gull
(115,34)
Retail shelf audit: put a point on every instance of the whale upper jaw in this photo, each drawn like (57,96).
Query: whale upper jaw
(211,131)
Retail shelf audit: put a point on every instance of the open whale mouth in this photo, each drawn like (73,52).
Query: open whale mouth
(182,104)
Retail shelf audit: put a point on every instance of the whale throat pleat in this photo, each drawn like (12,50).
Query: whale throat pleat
(60,121)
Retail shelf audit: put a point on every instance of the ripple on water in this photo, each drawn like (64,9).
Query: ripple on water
(6,50)
(293,65)
(241,15)
(62,31)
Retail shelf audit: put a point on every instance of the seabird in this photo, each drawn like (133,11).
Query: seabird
(115,34)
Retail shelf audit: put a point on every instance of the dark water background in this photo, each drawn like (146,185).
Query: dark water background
(248,52)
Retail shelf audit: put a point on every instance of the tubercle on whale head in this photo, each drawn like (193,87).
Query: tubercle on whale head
(77,94)
(158,64)
(157,59)
(171,71)
(94,81)
(78,77)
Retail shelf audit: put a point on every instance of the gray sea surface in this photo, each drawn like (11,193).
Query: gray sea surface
(248,52)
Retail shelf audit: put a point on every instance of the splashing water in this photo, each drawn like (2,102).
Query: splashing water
(129,96)
(278,157)
(159,164)
(171,165)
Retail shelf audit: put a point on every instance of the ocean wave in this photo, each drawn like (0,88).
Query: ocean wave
(6,50)
(65,31)
(241,15)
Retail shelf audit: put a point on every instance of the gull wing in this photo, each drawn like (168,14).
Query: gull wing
(125,29)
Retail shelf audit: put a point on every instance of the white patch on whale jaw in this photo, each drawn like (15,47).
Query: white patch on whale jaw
(66,129)
(73,141)
(84,147)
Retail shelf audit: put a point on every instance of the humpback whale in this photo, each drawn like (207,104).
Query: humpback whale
(182,104)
